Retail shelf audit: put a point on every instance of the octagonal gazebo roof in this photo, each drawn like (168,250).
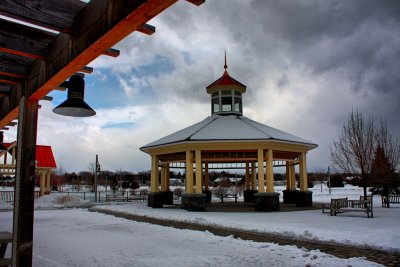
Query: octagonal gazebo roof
(218,128)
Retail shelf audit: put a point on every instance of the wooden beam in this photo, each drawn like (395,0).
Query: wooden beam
(99,26)
(15,75)
(20,53)
(197,2)
(23,40)
(147,29)
(12,115)
(47,98)
(87,69)
(9,81)
(111,52)
(56,15)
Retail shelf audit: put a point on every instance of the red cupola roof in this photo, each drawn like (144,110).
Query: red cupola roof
(226,79)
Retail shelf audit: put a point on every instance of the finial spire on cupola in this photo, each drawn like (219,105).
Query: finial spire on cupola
(225,66)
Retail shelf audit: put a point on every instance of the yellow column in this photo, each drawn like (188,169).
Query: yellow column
(163,184)
(199,175)
(303,173)
(253,175)
(167,177)
(189,172)
(154,174)
(270,171)
(247,177)
(48,181)
(206,177)
(292,174)
(260,158)
(288,176)
(42,182)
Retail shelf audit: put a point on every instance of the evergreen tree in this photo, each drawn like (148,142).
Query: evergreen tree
(383,177)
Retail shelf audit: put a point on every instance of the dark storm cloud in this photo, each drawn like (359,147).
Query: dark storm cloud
(360,38)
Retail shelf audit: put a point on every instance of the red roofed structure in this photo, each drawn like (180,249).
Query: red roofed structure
(227,80)
(44,157)
(45,162)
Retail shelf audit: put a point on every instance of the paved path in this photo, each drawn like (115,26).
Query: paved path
(339,250)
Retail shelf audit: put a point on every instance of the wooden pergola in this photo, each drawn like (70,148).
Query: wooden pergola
(34,61)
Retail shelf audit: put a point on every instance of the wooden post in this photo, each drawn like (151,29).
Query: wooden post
(270,171)
(48,181)
(163,178)
(154,174)
(253,175)
(247,176)
(42,182)
(189,172)
(24,183)
(206,176)
(199,175)
(303,173)
(288,185)
(167,177)
(292,176)
(260,157)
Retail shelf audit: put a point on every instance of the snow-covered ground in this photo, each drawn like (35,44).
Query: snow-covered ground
(77,237)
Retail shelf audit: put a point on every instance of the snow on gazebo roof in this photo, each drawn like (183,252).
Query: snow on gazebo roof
(228,128)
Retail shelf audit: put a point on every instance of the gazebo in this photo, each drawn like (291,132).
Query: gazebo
(229,137)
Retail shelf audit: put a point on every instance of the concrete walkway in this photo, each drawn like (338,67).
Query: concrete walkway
(339,250)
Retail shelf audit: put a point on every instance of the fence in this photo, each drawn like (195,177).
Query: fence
(8,196)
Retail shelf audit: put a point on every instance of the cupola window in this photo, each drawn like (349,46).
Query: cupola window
(226,95)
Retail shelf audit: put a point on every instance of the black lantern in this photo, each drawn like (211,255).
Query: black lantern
(75,106)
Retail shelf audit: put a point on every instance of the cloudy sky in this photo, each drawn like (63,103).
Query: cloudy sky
(306,65)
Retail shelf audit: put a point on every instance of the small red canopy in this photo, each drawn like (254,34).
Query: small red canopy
(44,155)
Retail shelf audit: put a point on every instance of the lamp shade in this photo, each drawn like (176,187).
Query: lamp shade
(75,106)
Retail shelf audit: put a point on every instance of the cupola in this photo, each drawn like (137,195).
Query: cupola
(226,95)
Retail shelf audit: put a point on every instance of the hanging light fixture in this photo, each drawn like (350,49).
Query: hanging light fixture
(2,147)
(75,106)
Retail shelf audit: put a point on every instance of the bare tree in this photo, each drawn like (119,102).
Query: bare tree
(353,151)
(389,144)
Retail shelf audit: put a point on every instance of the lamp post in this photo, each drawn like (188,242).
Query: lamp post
(329,180)
(97,170)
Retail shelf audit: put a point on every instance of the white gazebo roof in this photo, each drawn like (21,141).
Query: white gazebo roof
(228,128)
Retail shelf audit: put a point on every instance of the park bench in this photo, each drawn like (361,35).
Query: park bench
(330,205)
(5,238)
(345,205)
(222,196)
(138,195)
(391,198)
(115,197)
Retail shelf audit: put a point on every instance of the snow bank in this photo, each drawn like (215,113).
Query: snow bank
(56,201)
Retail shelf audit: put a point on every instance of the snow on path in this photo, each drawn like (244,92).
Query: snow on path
(76,237)
(379,232)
